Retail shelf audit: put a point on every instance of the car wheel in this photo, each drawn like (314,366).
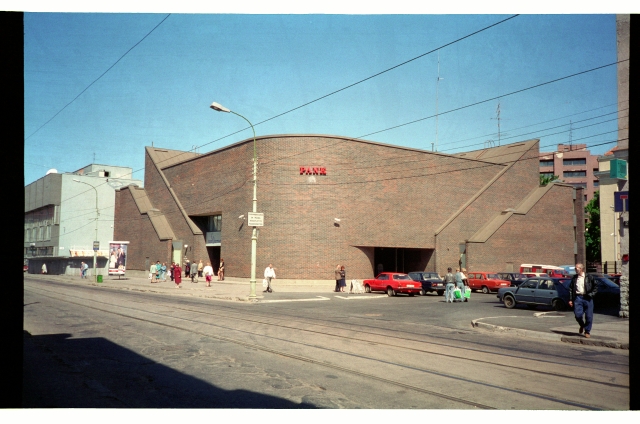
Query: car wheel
(440,292)
(390,292)
(485,290)
(509,302)
(367,288)
(423,293)
(558,304)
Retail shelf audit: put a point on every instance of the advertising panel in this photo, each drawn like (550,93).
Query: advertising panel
(118,257)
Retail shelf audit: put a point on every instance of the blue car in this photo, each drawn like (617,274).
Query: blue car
(537,291)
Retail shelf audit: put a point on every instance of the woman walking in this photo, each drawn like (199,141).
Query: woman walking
(163,272)
(343,279)
(173,265)
(221,270)
(152,273)
(338,276)
(208,273)
(177,275)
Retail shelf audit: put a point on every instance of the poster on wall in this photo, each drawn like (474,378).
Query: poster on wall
(118,257)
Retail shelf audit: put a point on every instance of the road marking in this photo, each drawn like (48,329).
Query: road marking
(295,300)
(360,297)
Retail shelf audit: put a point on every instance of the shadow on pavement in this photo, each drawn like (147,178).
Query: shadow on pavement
(60,372)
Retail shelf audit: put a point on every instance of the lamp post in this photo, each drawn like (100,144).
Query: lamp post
(95,252)
(254,237)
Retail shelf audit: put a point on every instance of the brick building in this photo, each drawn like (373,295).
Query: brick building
(573,164)
(406,209)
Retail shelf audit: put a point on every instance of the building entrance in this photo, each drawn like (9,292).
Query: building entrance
(214,257)
(400,259)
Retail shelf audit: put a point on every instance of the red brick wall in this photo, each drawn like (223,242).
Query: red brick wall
(136,228)
(544,235)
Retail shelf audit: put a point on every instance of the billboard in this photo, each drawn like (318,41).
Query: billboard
(118,257)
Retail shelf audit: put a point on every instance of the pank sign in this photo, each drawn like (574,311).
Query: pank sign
(313,170)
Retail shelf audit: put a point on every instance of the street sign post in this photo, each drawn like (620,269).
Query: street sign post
(255,219)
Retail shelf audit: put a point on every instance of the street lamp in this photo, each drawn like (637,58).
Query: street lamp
(95,252)
(254,237)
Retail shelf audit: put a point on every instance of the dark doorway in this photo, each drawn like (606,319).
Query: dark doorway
(400,259)
(214,257)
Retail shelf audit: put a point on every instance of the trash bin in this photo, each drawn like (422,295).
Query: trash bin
(99,278)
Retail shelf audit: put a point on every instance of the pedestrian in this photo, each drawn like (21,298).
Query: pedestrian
(177,275)
(81,269)
(208,273)
(338,276)
(193,273)
(581,292)
(221,270)
(269,274)
(460,282)
(173,265)
(449,280)
(343,279)
(200,267)
(85,268)
(187,268)
(465,282)
(158,267)
(163,272)
(44,268)
(152,273)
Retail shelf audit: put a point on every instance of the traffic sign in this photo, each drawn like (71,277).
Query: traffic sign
(255,219)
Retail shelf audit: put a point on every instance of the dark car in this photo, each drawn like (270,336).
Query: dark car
(608,293)
(431,282)
(536,291)
(514,277)
(615,279)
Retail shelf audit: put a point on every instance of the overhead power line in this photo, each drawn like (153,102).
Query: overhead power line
(96,80)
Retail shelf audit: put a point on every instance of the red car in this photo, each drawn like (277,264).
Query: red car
(393,283)
(486,281)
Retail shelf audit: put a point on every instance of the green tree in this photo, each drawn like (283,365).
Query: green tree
(546,179)
(592,230)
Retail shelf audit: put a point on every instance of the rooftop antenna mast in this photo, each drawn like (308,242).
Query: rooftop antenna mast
(498,119)
(437,84)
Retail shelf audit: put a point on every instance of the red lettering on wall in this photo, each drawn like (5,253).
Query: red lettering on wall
(313,170)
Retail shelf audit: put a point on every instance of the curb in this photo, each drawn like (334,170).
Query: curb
(545,336)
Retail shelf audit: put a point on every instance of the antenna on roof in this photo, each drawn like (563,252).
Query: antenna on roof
(437,84)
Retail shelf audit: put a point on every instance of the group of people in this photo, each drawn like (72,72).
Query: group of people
(158,272)
(453,281)
(341,281)
(201,270)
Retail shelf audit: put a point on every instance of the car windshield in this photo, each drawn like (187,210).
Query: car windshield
(431,275)
(607,282)
(401,277)
(493,277)
(520,277)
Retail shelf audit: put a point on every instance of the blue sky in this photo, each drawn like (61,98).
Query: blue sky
(263,65)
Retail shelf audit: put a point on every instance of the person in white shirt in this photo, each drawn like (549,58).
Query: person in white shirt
(208,273)
(269,273)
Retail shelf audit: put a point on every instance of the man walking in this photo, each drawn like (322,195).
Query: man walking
(84,267)
(269,273)
(449,280)
(581,291)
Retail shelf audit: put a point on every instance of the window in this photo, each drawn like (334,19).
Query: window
(384,277)
(596,183)
(214,223)
(574,173)
(583,185)
(545,163)
(570,162)
(546,174)
(531,284)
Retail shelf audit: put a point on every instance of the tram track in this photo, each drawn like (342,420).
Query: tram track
(103,305)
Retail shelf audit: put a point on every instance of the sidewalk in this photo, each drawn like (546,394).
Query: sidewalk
(608,330)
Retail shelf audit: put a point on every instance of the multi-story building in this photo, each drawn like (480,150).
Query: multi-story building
(64,213)
(574,165)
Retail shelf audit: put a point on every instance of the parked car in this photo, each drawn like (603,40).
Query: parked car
(570,269)
(431,282)
(613,278)
(514,277)
(392,283)
(608,293)
(536,291)
(486,281)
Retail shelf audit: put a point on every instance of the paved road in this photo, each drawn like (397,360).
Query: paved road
(90,347)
